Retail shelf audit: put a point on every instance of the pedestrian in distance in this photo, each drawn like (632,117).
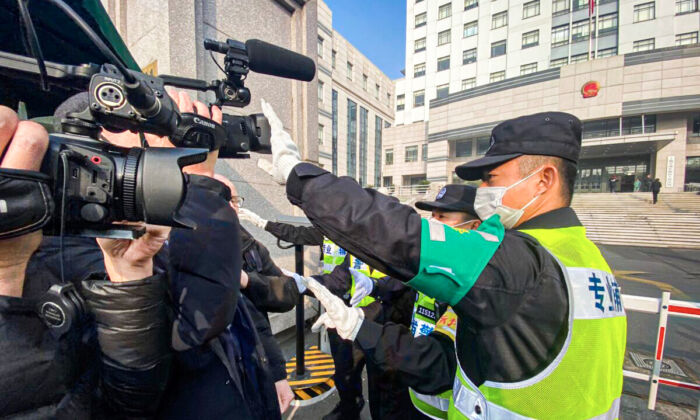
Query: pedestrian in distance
(655,189)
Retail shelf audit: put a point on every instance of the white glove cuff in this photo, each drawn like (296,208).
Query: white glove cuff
(358,325)
(285,164)
(300,283)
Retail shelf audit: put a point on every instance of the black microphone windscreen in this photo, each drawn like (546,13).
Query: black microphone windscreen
(76,103)
(277,61)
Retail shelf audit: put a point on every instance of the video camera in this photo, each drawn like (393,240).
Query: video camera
(95,183)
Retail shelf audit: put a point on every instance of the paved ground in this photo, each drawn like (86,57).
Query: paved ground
(640,271)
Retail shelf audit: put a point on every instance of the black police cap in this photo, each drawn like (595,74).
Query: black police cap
(547,133)
(453,197)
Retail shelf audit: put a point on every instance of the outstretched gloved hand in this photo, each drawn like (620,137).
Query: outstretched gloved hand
(363,286)
(285,154)
(249,216)
(345,320)
(298,278)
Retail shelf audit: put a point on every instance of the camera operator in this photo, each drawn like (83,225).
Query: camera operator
(48,375)
(220,368)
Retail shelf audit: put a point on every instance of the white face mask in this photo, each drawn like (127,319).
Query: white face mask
(489,201)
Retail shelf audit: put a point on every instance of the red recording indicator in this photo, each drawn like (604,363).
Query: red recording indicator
(96,160)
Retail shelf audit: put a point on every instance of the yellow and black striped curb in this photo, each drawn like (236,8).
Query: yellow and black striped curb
(319,382)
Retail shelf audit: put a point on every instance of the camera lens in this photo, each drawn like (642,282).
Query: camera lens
(129,181)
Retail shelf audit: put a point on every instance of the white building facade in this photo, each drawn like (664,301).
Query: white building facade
(486,49)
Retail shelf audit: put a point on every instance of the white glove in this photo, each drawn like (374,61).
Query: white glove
(346,321)
(249,216)
(363,286)
(285,154)
(297,278)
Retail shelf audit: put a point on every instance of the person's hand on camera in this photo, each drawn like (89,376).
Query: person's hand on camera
(132,259)
(285,154)
(185,104)
(284,394)
(249,216)
(24,144)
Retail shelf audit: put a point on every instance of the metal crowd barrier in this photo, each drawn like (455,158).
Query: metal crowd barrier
(665,307)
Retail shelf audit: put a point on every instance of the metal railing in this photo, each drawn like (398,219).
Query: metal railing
(404,190)
(665,307)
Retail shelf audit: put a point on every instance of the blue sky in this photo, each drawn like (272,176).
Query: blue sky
(375,27)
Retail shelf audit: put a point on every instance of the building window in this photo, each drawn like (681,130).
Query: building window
(632,125)
(411,154)
(601,128)
(389,157)
(400,102)
(580,4)
(499,20)
(579,58)
(686,6)
(388,98)
(444,63)
(482,145)
(387,181)
(470,4)
(531,9)
(579,31)
(687,38)
(376,91)
(643,45)
(377,150)
(445,11)
(469,56)
(320,91)
(498,48)
(608,52)
(320,134)
(424,152)
(364,82)
(421,19)
(349,70)
(607,23)
(463,148)
(444,37)
(560,7)
(643,12)
(419,70)
(320,47)
(419,45)
(362,178)
(334,132)
(531,39)
(333,54)
(471,29)
(497,76)
(469,83)
(528,68)
(559,62)
(443,91)
(560,35)
(696,125)
(352,139)
(418,98)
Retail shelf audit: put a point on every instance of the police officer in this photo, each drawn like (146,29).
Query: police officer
(540,328)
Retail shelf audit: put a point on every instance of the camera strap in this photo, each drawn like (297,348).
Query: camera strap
(26,204)
(199,132)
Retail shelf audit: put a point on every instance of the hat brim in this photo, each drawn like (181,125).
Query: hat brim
(436,205)
(473,170)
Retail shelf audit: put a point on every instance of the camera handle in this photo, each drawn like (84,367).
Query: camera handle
(228,92)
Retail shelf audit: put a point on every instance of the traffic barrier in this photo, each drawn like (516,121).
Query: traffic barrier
(665,307)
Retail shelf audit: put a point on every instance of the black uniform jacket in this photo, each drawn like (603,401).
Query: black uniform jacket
(512,322)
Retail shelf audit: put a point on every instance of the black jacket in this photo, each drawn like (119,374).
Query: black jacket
(113,364)
(512,322)
(298,235)
(655,186)
(220,369)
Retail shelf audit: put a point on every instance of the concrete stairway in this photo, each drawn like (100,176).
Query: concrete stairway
(630,219)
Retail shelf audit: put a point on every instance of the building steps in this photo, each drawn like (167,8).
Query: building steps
(630,219)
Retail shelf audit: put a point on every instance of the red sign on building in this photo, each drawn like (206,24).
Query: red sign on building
(590,89)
